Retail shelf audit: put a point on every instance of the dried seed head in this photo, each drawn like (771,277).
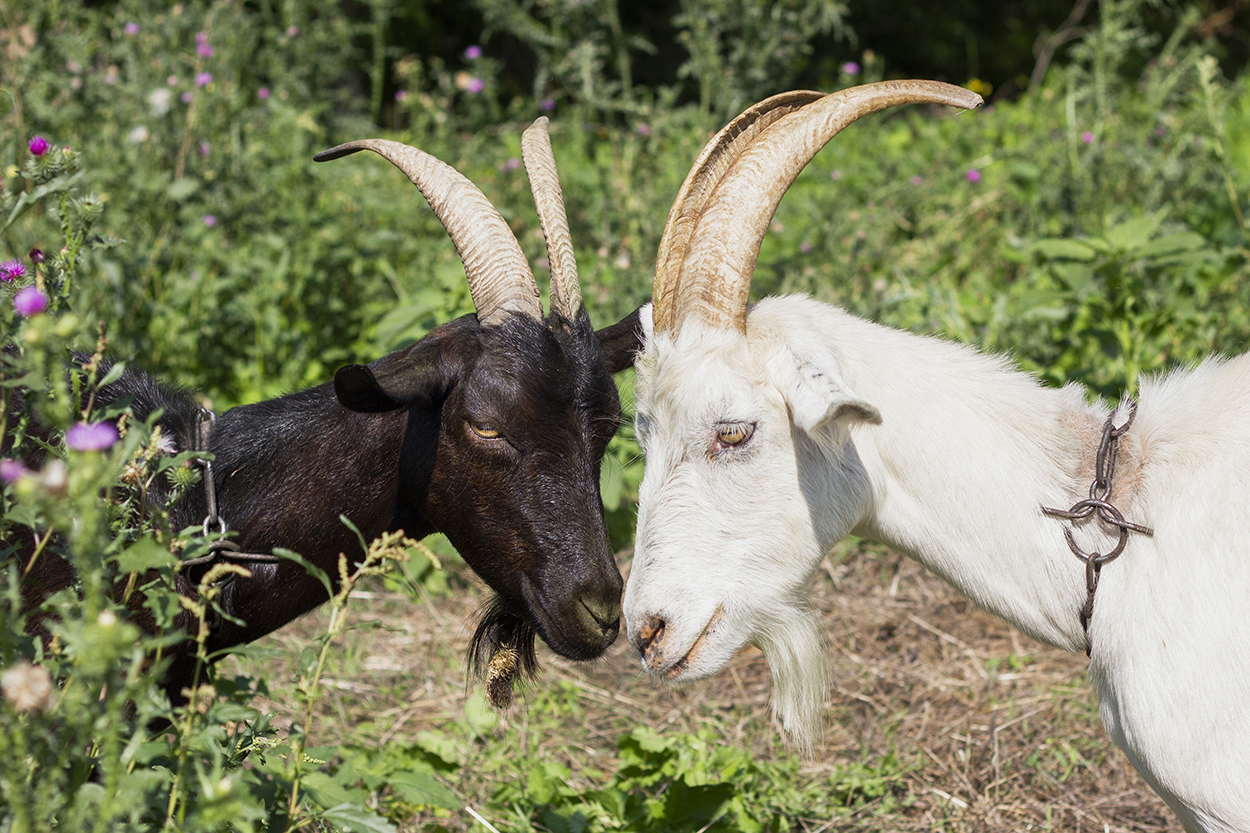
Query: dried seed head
(500,674)
(28,687)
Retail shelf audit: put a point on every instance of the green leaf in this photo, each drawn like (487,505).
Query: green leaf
(30,198)
(1181,241)
(423,788)
(1059,248)
(115,373)
(312,569)
(352,818)
(180,189)
(143,555)
(1131,235)
(326,791)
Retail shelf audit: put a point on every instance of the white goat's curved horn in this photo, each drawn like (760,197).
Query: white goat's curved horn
(540,166)
(720,255)
(717,157)
(499,276)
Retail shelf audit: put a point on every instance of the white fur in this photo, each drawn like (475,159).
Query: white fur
(948,455)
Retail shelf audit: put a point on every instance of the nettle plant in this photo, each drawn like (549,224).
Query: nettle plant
(88,739)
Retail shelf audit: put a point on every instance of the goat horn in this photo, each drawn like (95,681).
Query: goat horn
(499,276)
(719,257)
(717,157)
(540,166)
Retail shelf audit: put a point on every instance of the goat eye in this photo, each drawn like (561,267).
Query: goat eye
(734,433)
(484,430)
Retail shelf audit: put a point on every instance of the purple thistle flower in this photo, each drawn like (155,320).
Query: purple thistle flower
(201,38)
(131,28)
(805,247)
(474,86)
(203,79)
(36,256)
(187,97)
(205,147)
(547,104)
(38,146)
(850,68)
(916,179)
(1087,137)
(512,164)
(473,52)
(973,175)
(12,470)
(204,50)
(11,270)
(29,302)
(91,436)
(292,31)
(643,129)
(401,96)
(210,220)
(262,93)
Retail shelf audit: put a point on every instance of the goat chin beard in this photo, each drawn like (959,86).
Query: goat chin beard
(502,650)
(794,645)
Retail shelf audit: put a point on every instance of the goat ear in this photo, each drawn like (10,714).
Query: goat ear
(817,394)
(399,380)
(620,342)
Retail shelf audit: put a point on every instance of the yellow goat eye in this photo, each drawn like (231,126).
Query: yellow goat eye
(484,431)
(734,433)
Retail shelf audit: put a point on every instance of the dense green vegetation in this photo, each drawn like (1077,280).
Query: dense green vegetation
(1093,227)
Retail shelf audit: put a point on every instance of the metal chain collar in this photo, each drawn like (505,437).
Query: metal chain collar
(222,549)
(1099,495)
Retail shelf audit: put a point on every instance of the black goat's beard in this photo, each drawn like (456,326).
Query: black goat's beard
(502,649)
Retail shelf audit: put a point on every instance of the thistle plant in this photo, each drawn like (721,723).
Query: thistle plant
(89,739)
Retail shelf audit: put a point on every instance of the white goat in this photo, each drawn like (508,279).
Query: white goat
(770,435)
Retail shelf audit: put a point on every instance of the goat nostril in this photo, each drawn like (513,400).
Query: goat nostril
(649,634)
(606,616)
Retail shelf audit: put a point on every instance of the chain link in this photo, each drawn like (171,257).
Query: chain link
(1099,503)
(221,549)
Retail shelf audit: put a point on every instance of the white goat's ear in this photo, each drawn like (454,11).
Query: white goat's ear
(816,393)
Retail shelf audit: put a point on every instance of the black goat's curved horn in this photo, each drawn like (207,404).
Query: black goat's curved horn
(540,165)
(499,276)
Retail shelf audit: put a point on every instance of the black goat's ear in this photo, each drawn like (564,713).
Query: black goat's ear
(358,389)
(388,385)
(620,342)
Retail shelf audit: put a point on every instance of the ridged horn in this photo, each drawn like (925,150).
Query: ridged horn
(719,257)
(540,166)
(499,276)
(717,157)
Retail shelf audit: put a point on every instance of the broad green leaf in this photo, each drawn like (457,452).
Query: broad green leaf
(1131,235)
(1059,248)
(352,818)
(144,554)
(180,189)
(423,788)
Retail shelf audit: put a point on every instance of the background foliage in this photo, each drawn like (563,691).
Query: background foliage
(1091,224)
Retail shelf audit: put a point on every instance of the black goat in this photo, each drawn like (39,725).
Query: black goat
(491,430)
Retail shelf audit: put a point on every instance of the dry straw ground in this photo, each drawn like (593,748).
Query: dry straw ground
(996,732)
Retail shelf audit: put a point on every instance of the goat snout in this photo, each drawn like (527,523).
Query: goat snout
(649,640)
